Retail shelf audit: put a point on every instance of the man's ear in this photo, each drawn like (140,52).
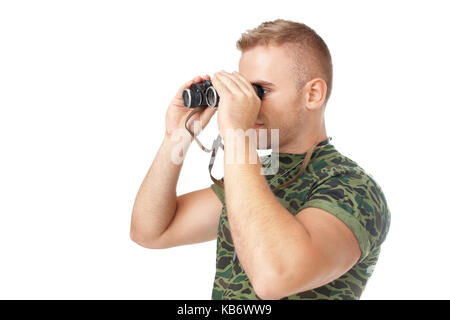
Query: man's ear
(315,93)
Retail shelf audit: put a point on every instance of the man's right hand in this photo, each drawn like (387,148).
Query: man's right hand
(176,112)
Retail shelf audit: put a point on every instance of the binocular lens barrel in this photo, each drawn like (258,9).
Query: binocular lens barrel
(212,98)
(204,94)
(191,98)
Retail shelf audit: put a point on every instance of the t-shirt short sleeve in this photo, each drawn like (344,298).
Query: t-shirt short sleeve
(355,199)
(219,191)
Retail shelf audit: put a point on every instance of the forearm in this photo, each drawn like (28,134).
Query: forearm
(259,223)
(155,202)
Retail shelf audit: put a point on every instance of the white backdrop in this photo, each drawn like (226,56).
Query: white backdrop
(84,86)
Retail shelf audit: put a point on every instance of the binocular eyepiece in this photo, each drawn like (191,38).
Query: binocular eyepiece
(204,94)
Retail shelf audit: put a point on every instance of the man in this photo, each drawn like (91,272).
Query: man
(314,229)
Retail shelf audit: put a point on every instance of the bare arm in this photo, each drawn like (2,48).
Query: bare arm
(160,219)
(155,202)
(196,220)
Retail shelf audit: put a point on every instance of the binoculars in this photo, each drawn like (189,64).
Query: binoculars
(204,94)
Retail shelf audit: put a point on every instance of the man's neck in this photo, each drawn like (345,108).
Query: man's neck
(304,141)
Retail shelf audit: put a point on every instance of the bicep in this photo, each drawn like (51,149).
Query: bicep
(196,219)
(335,248)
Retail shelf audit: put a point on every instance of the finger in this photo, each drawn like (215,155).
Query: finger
(198,79)
(243,87)
(244,81)
(229,83)
(186,85)
(219,85)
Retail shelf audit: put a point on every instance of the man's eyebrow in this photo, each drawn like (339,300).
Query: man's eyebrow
(264,83)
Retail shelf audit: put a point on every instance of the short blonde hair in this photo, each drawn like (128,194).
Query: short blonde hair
(311,57)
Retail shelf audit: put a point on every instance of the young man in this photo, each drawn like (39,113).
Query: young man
(314,229)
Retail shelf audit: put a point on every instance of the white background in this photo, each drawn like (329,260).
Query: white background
(84,86)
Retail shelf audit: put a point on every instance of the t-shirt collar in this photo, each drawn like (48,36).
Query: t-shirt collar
(289,160)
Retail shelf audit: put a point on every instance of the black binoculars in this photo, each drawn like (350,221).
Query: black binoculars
(204,94)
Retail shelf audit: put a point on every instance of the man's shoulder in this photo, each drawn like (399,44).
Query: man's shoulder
(343,179)
(342,182)
(332,163)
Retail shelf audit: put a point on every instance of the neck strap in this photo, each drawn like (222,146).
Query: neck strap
(309,153)
(218,144)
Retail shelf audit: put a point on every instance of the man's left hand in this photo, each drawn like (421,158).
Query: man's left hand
(238,105)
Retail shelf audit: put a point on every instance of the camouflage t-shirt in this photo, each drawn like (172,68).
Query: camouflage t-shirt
(333,183)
